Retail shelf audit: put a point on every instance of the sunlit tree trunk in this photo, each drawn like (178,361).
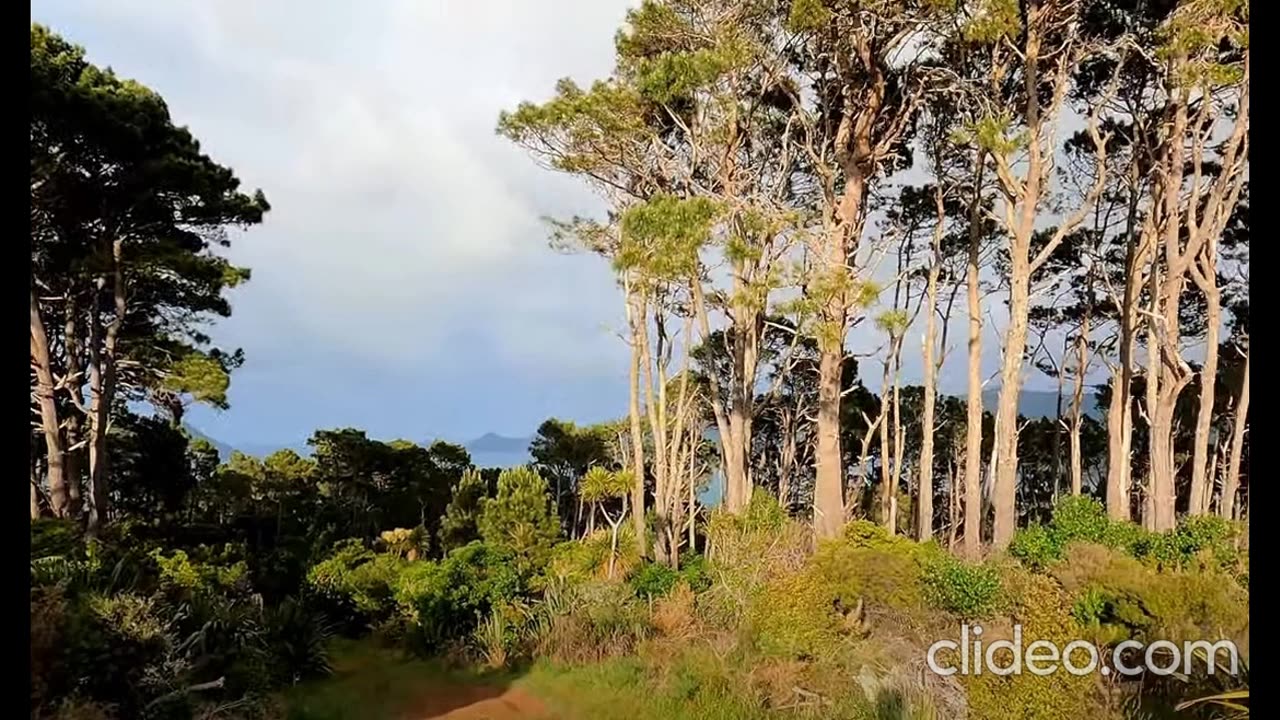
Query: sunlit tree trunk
(1231,484)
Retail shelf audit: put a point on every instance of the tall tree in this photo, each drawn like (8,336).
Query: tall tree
(126,211)
(859,64)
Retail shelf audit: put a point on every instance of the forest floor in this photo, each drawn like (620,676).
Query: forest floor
(375,683)
(371,682)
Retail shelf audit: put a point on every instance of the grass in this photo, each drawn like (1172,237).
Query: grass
(370,682)
(621,689)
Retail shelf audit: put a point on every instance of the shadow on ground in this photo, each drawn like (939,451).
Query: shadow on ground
(378,683)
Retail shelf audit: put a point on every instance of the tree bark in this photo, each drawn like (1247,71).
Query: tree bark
(1206,277)
(828,491)
(1231,484)
(973,431)
(635,315)
(1120,409)
(55,451)
(925,501)
(102,388)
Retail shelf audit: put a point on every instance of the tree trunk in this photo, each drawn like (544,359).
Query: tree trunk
(886,447)
(973,431)
(74,422)
(1206,277)
(102,392)
(55,452)
(1006,441)
(1077,407)
(1231,484)
(635,315)
(1120,409)
(925,501)
(828,490)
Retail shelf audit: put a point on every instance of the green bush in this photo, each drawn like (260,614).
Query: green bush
(445,600)
(654,580)
(795,617)
(970,590)
(356,584)
(1124,597)
(521,519)
(879,573)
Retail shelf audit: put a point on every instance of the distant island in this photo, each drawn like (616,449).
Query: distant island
(502,451)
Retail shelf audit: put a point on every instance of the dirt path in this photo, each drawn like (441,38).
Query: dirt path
(475,702)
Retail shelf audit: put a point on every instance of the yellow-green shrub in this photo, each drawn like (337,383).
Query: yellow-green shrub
(1133,599)
(1043,610)
(795,616)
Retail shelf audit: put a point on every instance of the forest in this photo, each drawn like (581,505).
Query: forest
(781,522)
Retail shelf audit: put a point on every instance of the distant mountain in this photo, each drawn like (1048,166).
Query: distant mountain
(493,450)
(224,450)
(258,450)
(492,442)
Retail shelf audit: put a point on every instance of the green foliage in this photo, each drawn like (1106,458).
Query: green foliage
(656,580)
(970,590)
(992,21)
(461,521)
(521,519)
(1120,596)
(358,583)
(662,237)
(1196,541)
(53,537)
(808,15)
(1040,606)
(446,599)
(219,574)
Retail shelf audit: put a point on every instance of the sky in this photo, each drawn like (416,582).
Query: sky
(402,282)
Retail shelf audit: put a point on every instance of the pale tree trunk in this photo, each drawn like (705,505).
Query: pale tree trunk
(887,491)
(925,501)
(74,421)
(102,388)
(787,456)
(828,490)
(635,315)
(1206,277)
(973,431)
(1077,400)
(656,411)
(1203,223)
(746,351)
(731,464)
(1231,483)
(55,452)
(1021,199)
(1120,409)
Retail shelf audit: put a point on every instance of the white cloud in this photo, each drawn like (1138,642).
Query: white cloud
(399,219)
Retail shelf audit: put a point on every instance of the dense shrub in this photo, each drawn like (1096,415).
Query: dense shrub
(589,621)
(588,558)
(445,600)
(796,617)
(871,565)
(1041,608)
(655,580)
(1204,540)
(54,537)
(970,590)
(1120,596)
(356,584)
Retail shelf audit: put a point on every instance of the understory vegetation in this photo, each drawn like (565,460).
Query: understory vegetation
(761,534)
